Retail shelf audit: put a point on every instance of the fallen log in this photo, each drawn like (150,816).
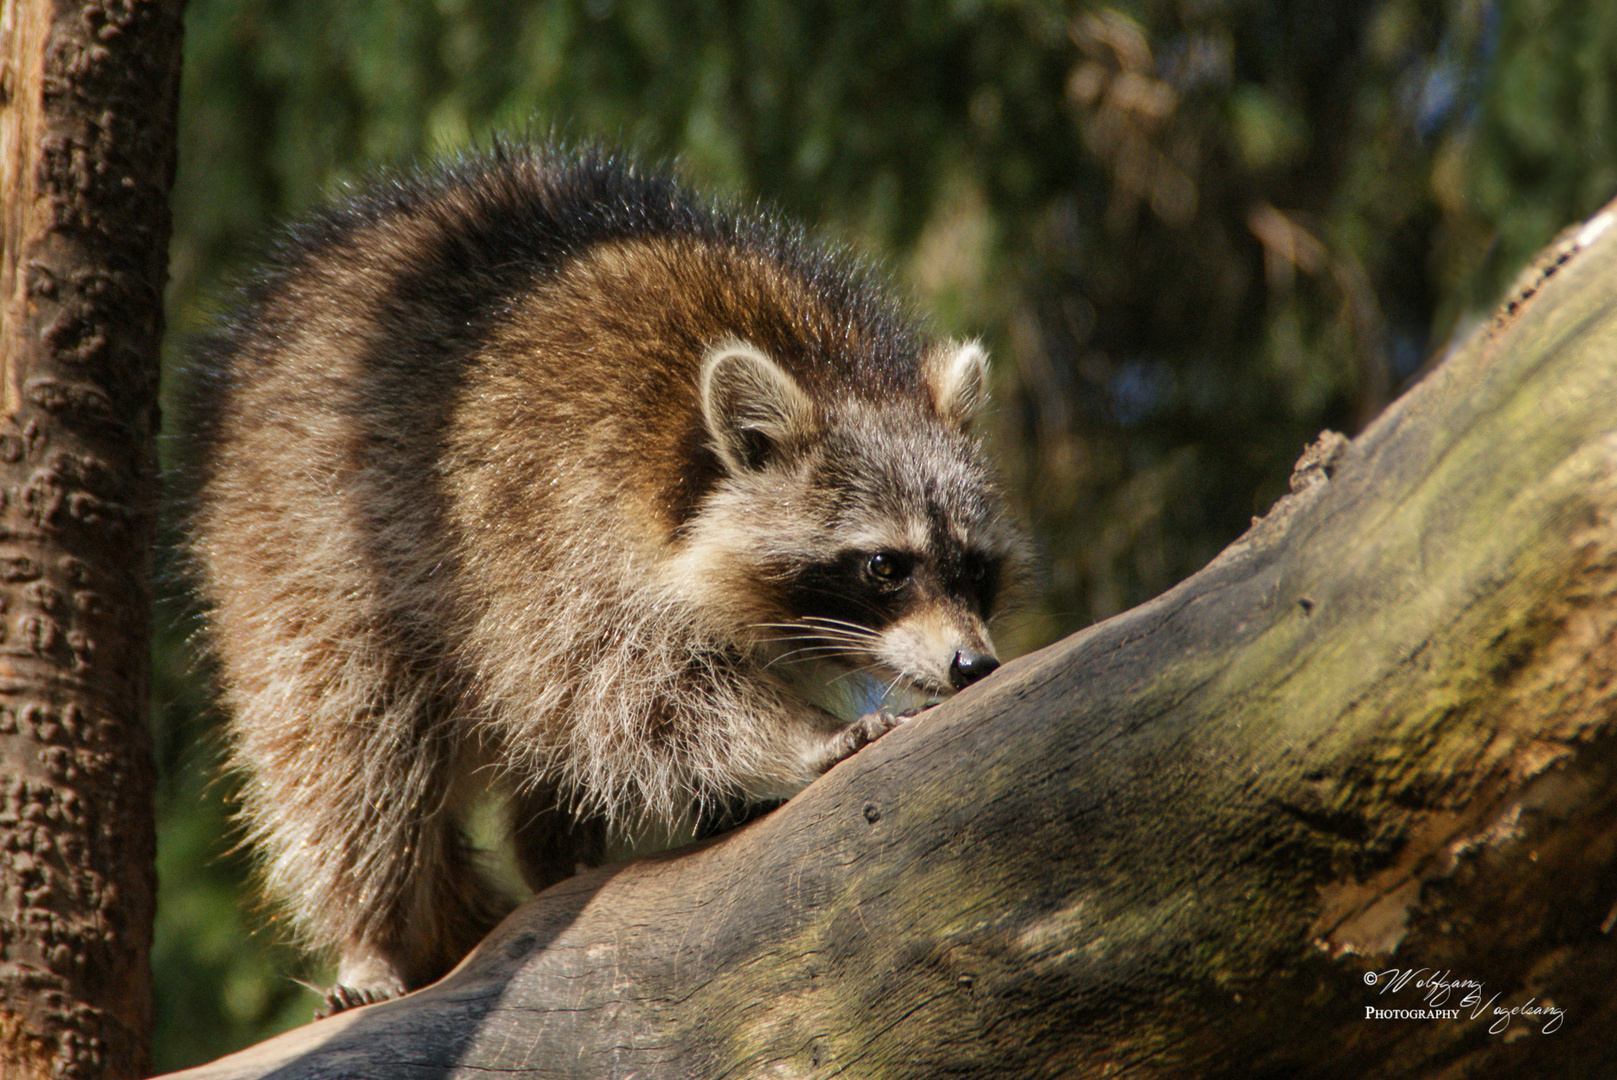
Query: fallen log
(1340,805)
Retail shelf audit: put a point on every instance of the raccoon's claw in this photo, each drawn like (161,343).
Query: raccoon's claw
(339,998)
(872,726)
(856,736)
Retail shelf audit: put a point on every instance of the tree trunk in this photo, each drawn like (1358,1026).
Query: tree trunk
(1377,736)
(88,92)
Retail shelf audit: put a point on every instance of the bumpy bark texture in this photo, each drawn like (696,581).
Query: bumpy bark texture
(88,92)
(1378,732)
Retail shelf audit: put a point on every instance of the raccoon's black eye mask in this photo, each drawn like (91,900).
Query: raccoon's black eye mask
(850,588)
(874,588)
(978,578)
(889,569)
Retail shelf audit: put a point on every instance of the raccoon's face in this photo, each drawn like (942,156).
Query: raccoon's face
(865,546)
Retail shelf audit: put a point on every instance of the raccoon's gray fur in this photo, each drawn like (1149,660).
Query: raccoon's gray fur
(540,476)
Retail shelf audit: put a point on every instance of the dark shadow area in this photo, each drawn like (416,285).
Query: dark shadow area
(426,1034)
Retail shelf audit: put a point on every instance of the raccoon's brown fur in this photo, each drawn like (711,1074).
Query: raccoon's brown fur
(539,476)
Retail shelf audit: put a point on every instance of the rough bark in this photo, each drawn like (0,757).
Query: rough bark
(88,92)
(1378,732)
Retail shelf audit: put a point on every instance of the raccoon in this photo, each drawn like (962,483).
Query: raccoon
(538,478)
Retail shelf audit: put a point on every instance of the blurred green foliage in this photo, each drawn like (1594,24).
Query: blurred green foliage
(1194,233)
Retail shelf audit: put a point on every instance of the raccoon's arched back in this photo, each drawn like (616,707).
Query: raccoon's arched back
(544,206)
(441,253)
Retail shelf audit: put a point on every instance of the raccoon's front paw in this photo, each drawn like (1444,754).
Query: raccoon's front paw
(856,736)
(339,998)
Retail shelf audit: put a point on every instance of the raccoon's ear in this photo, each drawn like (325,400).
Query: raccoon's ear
(958,377)
(755,412)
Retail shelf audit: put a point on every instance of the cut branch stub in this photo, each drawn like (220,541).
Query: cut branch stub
(1376,733)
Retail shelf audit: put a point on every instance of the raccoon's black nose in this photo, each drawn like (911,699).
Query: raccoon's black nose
(968,667)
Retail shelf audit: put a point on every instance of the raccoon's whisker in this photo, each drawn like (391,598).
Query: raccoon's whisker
(837,624)
(806,649)
(853,639)
(824,627)
(825,639)
(828,632)
(831,638)
(787,639)
(825,650)
(856,671)
(896,680)
(826,620)
(814,647)
(819,635)
(841,626)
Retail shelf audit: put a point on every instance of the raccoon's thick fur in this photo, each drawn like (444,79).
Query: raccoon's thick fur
(539,477)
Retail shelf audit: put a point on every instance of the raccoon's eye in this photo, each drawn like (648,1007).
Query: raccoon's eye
(979,579)
(888,567)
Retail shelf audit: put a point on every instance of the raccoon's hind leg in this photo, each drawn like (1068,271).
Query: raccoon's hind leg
(442,911)
(355,814)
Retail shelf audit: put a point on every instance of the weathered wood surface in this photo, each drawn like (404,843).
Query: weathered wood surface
(89,90)
(1377,732)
